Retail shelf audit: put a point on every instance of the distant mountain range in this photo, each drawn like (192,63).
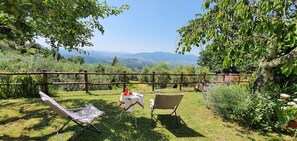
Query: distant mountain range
(137,60)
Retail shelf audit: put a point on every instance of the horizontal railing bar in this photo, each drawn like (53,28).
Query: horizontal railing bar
(113,83)
(100,73)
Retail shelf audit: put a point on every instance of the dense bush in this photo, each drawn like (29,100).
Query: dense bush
(27,86)
(228,101)
(238,103)
(261,113)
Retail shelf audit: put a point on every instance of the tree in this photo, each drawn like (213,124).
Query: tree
(144,78)
(214,61)
(115,61)
(262,30)
(77,59)
(99,68)
(210,59)
(63,23)
(161,68)
(118,68)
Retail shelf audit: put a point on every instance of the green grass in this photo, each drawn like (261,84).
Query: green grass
(31,119)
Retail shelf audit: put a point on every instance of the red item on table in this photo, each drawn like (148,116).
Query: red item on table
(130,93)
(126,92)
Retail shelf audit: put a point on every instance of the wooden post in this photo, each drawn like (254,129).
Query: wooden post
(181,81)
(204,82)
(153,82)
(224,78)
(45,84)
(204,78)
(238,78)
(86,81)
(124,87)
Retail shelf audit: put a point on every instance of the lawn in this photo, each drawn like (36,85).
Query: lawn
(31,119)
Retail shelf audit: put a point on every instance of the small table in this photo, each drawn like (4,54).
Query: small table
(131,100)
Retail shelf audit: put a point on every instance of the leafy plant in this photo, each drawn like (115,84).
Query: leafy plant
(262,113)
(229,102)
(26,86)
(238,103)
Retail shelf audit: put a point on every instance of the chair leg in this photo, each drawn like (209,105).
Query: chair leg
(176,119)
(96,129)
(63,126)
(174,111)
(175,114)
(79,124)
(62,129)
(152,120)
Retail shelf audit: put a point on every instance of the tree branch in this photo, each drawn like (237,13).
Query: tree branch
(282,60)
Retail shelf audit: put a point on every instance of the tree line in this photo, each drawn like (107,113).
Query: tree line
(35,58)
(259,35)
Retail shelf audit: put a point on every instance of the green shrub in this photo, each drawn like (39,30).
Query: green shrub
(261,113)
(235,102)
(228,101)
(24,86)
(5,90)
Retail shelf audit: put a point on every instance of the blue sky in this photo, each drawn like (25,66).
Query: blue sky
(148,26)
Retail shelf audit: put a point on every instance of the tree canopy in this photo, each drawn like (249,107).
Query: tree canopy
(63,23)
(115,61)
(244,30)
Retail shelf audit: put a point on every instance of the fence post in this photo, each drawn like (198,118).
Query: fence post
(153,82)
(181,81)
(204,81)
(238,78)
(204,77)
(45,84)
(224,75)
(124,87)
(86,81)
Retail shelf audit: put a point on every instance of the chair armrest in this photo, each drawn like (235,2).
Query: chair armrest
(152,101)
(76,109)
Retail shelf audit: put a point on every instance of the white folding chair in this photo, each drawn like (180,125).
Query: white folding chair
(83,117)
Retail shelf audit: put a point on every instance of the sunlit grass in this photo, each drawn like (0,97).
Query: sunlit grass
(31,119)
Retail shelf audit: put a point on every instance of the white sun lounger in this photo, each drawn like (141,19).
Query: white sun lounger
(83,117)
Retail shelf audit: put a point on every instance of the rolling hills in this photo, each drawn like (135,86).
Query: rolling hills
(137,60)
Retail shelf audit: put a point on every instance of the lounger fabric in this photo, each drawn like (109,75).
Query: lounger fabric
(86,115)
(165,101)
(83,117)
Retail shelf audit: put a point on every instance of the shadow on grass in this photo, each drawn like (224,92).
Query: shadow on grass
(180,130)
(247,132)
(111,128)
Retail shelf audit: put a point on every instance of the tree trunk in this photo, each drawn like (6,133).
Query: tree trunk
(266,70)
(264,77)
(57,53)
